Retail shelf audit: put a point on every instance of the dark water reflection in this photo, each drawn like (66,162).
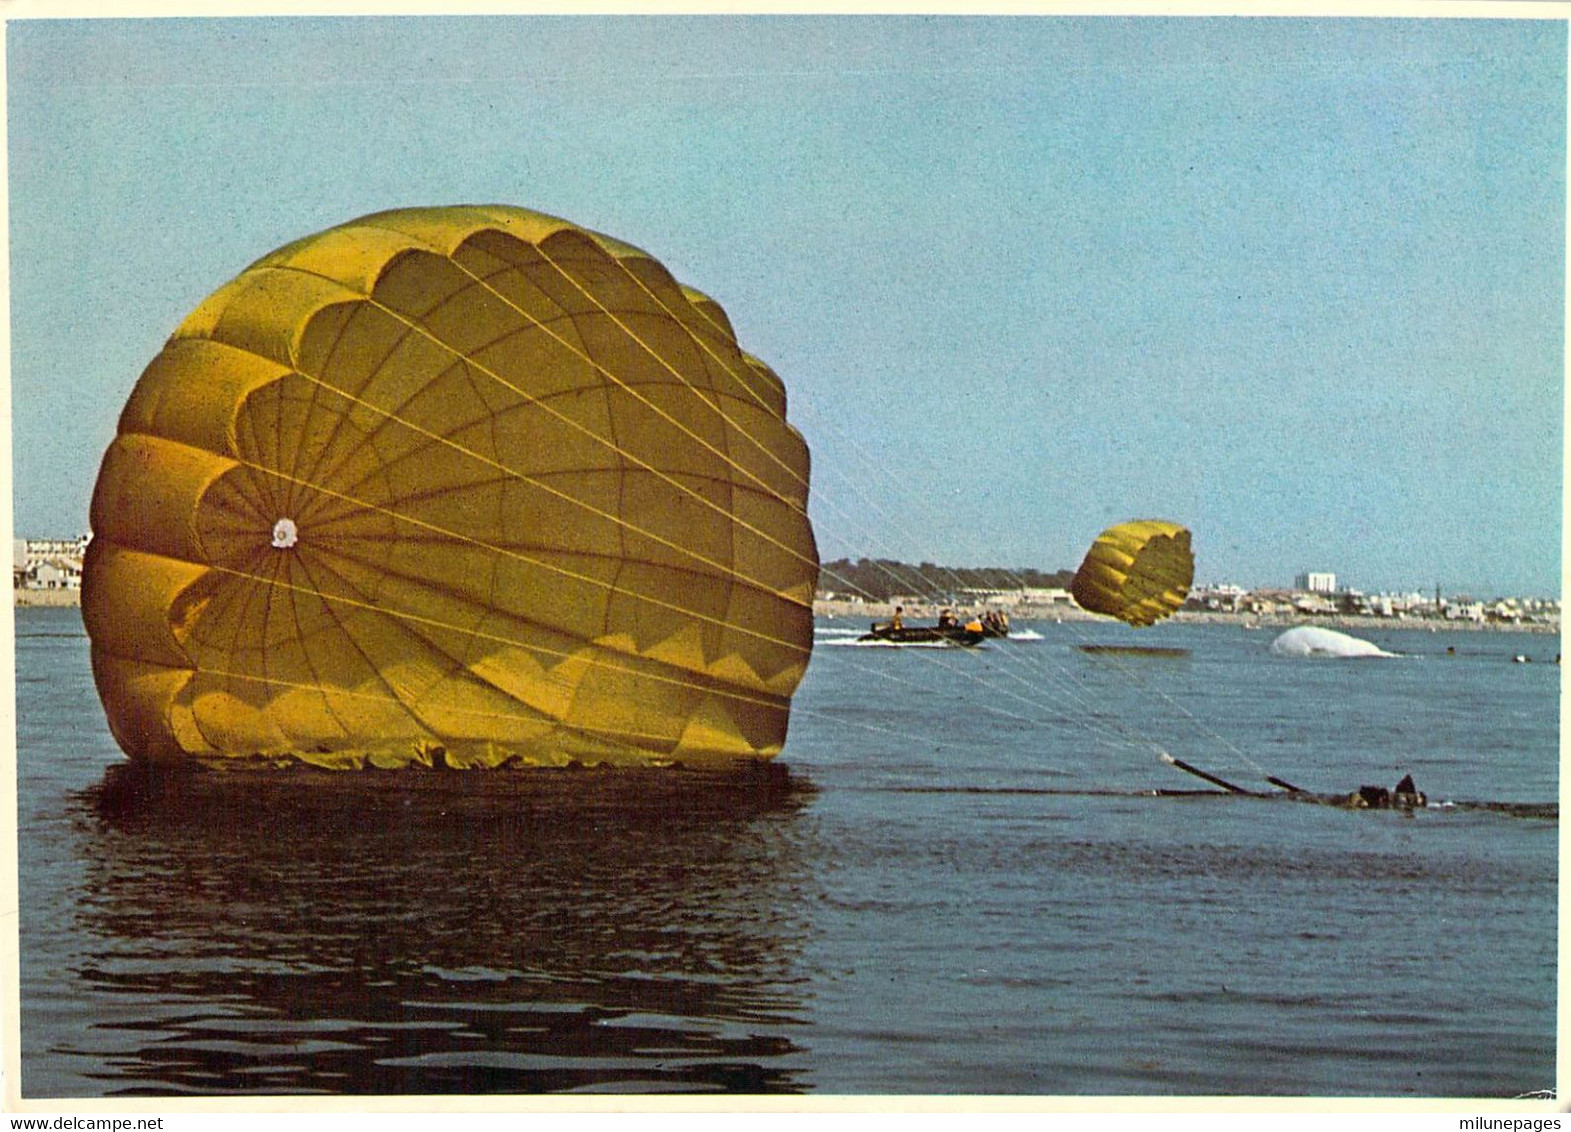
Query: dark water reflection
(444,934)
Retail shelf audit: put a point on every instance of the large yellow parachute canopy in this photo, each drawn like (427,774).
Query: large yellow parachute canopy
(459,487)
(1138,572)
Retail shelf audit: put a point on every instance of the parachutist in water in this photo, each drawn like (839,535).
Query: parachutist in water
(1406,796)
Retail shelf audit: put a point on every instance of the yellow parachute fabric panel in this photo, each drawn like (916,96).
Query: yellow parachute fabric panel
(463,486)
(1138,572)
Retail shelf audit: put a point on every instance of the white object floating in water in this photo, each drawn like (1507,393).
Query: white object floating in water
(1306,640)
(1519,659)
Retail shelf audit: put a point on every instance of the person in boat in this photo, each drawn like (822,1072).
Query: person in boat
(897,622)
(995,623)
(947,619)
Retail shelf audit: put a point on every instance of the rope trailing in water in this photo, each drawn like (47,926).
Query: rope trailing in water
(1198,773)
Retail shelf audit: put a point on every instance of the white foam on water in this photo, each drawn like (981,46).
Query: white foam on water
(1308,640)
(837,632)
(1025,635)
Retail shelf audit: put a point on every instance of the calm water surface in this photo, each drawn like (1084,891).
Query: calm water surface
(950,883)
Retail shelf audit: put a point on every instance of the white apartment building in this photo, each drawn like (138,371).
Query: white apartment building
(1317,583)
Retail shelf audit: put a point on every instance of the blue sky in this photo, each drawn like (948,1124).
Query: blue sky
(1298,283)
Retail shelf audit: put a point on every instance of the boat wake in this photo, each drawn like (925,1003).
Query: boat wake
(831,635)
(858,642)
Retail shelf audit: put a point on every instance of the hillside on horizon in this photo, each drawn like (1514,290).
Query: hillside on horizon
(878,579)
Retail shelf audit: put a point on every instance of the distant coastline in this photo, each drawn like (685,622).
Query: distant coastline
(880,611)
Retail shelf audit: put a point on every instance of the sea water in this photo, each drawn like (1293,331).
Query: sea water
(956,879)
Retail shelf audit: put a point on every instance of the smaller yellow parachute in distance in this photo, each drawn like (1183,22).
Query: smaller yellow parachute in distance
(1138,572)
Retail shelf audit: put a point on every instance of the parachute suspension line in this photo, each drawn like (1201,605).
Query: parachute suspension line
(1204,732)
(343,629)
(1055,673)
(532,481)
(273,566)
(610,444)
(492,548)
(723,456)
(399,516)
(506,552)
(520,717)
(673,370)
(476,713)
(924,583)
(1140,681)
(315,590)
(1209,733)
(418,329)
(726,366)
(762,699)
(270,585)
(571,574)
(596,437)
(725,363)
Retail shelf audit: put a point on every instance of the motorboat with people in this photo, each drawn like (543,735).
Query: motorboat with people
(949,631)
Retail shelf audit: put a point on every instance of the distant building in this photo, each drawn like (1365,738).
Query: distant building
(48,563)
(1464,609)
(1225,597)
(1044,595)
(1317,583)
(59,575)
(1025,595)
(31,551)
(1314,604)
